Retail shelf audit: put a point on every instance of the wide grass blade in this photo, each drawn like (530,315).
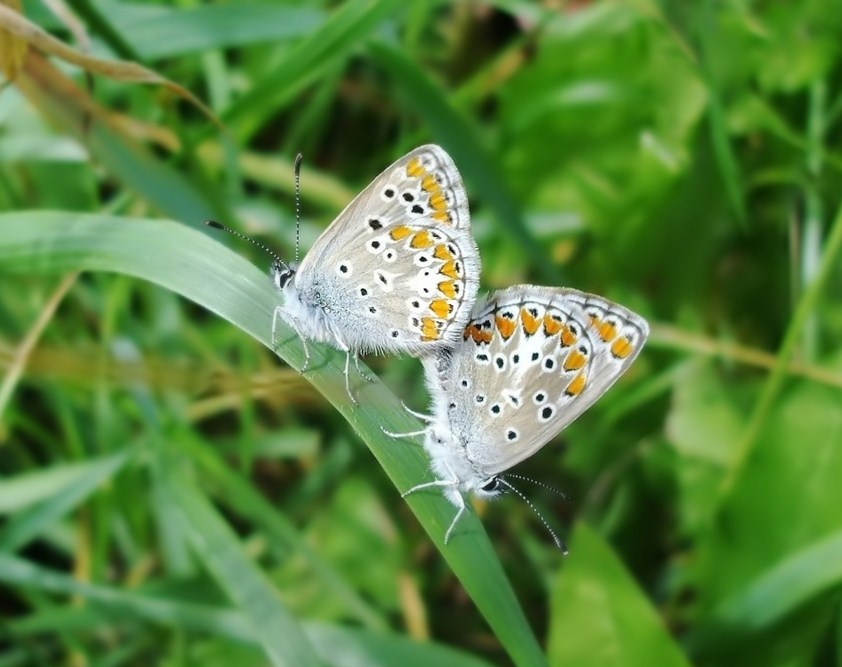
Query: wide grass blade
(206,272)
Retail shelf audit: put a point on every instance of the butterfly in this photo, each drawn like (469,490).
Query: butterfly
(396,272)
(531,360)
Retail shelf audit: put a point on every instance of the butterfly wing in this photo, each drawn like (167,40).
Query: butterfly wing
(399,263)
(532,360)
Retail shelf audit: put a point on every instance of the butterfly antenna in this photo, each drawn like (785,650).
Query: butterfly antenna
(554,490)
(558,541)
(297,170)
(262,246)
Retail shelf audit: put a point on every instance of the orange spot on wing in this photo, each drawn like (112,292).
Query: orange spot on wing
(476,333)
(622,348)
(574,361)
(442,216)
(448,288)
(400,233)
(415,169)
(442,252)
(552,325)
(607,331)
(451,270)
(530,322)
(430,329)
(506,326)
(430,184)
(442,308)
(577,386)
(421,240)
(567,336)
(438,201)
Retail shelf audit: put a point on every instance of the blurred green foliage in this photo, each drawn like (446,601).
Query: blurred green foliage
(171,493)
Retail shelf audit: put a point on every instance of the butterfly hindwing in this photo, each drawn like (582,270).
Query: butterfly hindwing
(533,359)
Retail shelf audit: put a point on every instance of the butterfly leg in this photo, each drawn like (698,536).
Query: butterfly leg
(279,311)
(456,498)
(409,434)
(418,415)
(275,314)
(428,485)
(456,518)
(364,375)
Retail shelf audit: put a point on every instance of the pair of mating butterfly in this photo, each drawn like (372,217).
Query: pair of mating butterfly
(398,271)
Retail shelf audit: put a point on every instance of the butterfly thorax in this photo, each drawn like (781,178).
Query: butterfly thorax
(449,461)
(307,307)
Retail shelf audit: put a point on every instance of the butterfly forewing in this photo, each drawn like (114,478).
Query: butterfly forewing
(403,254)
(531,361)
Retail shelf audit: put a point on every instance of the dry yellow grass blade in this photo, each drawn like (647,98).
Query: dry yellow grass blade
(16,29)
(12,49)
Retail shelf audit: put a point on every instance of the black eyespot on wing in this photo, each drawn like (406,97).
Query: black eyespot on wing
(375,224)
(417,209)
(389,193)
(408,196)
(547,412)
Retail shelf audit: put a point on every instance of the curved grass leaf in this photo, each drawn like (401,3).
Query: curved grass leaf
(783,589)
(215,543)
(78,482)
(206,272)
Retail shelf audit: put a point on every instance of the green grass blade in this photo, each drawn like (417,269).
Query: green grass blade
(20,492)
(338,646)
(217,546)
(323,50)
(28,524)
(206,272)
(616,626)
(462,142)
(801,577)
(126,604)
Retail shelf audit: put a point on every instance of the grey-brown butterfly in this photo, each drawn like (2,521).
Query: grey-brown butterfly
(530,361)
(397,271)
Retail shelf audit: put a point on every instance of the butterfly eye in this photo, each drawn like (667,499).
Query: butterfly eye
(282,276)
(493,485)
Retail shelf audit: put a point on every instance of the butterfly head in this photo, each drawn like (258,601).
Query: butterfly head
(492,487)
(282,274)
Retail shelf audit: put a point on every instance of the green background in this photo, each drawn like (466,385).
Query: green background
(172,493)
